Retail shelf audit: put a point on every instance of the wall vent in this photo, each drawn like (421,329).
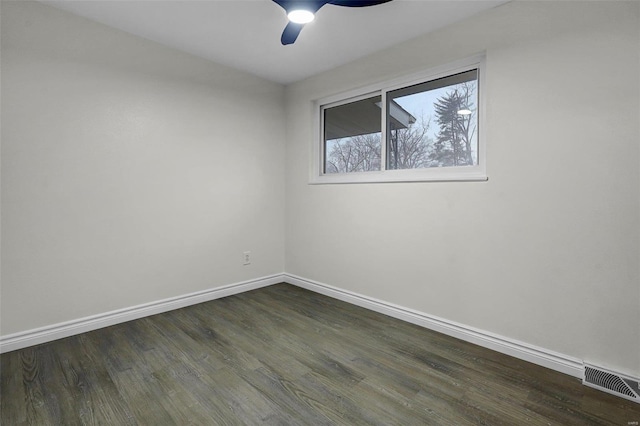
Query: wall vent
(610,382)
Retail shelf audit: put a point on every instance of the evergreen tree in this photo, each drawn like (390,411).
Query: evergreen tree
(453,145)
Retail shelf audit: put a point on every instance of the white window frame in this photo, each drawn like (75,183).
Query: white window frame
(476,172)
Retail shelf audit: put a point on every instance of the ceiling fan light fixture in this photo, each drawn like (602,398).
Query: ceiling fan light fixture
(300,16)
(301,12)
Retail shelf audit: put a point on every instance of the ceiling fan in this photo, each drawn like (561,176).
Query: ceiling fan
(301,12)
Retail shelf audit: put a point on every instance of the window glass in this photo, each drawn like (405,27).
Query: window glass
(352,136)
(434,124)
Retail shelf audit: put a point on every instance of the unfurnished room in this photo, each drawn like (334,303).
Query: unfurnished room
(341,212)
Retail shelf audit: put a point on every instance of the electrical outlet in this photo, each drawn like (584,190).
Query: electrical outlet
(246,256)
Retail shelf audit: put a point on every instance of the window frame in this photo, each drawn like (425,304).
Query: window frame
(476,172)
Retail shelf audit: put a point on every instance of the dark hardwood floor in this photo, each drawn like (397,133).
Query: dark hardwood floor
(284,355)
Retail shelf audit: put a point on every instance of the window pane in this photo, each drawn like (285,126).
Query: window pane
(352,134)
(434,124)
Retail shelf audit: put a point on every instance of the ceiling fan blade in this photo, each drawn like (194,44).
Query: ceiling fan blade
(357,3)
(290,33)
(281,3)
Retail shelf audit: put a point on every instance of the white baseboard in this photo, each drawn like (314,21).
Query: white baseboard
(65,329)
(540,356)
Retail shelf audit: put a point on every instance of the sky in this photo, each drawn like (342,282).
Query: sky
(420,105)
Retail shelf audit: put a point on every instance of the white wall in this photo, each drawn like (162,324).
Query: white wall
(547,251)
(130,172)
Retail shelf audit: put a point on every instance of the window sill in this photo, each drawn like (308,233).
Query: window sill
(405,176)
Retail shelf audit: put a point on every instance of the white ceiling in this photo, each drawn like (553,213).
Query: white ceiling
(245,34)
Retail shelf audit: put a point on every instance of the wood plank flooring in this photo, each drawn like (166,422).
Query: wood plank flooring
(284,355)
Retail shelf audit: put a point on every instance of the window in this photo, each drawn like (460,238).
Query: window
(421,128)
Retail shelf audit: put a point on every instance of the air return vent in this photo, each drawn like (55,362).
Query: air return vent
(607,381)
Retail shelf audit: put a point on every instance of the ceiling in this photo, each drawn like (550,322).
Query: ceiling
(245,34)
